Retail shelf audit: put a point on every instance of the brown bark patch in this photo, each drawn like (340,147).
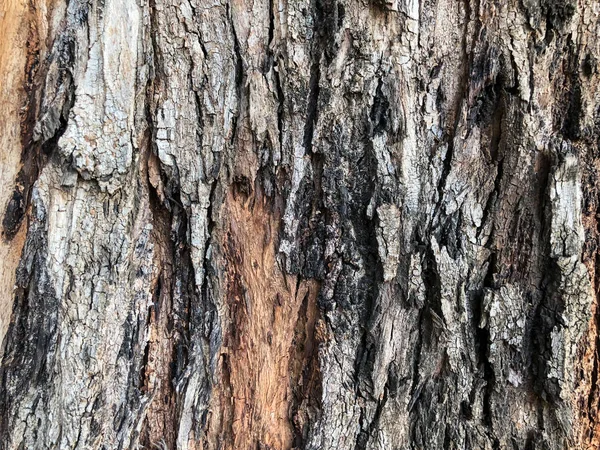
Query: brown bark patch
(587,430)
(269,367)
(23,65)
(157,374)
(156,378)
(18,50)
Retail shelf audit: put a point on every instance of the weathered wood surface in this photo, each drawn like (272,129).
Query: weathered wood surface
(314,225)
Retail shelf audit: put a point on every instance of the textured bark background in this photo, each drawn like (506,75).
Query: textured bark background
(329,224)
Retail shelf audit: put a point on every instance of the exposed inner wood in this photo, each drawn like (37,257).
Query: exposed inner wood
(588,399)
(268,363)
(159,426)
(15,20)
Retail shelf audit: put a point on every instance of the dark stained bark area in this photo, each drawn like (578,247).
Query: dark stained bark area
(312,225)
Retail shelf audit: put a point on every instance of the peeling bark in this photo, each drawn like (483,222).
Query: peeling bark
(321,225)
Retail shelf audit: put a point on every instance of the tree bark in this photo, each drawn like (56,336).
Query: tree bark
(331,224)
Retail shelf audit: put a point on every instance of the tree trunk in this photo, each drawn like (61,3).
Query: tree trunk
(315,225)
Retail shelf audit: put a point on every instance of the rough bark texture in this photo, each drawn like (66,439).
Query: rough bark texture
(329,224)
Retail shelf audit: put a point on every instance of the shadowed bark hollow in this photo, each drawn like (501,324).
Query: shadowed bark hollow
(276,225)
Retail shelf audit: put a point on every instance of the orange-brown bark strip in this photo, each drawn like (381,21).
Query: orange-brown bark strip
(587,427)
(24,26)
(160,423)
(269,369)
